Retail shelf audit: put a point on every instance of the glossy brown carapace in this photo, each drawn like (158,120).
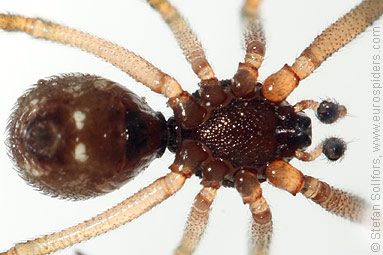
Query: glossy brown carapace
(252,132)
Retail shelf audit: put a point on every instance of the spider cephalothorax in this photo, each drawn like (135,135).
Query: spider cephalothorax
(78,136)
(252,133)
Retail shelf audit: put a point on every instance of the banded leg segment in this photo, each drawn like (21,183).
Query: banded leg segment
(334,200)
(279,85)
(127,61)
(197,221)
(249,187)
(283,175)
(247,74)
(188,42)
(254,37)
(261,228)
(122,213)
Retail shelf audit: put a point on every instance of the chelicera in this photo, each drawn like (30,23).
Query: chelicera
(198,157)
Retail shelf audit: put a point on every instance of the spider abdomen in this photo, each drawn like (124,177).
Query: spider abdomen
(79,136)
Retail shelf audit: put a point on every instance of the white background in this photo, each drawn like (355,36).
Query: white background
(300,226)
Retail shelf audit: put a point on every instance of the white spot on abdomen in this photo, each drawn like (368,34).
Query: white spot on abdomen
(79,118)
(101,84)
(34,101)
(35,172)
(80,152)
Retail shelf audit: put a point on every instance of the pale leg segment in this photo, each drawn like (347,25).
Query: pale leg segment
(309,156)
(122,213)
(334,200)
(283,175)
(279,85)
(127,61)
(188,42)
(197,221)
(246,77)
(254,37)
(261,228)
(249,187)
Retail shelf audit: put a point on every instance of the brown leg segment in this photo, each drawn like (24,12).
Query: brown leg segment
(249,187)
(279,85)
(188,42)
(283,175)
(127,61)
(126,211)
(247,75)
(197,221)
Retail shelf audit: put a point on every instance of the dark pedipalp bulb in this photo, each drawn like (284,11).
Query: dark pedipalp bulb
(334,148)
(328,112)
(78,136)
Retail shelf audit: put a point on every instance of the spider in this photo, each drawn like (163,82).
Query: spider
(302,166)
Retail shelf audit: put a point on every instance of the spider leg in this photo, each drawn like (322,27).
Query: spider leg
(254,36)
(261,228)
(122,213)
(212,94)
(279,85)
(333,200)
(197,221)
(309,156)
(127,61)
(249,187)
(283,175)
(188,42)
(192,155)
(306,104)
(247,74)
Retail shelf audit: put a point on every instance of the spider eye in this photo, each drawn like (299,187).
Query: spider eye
(78,136)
